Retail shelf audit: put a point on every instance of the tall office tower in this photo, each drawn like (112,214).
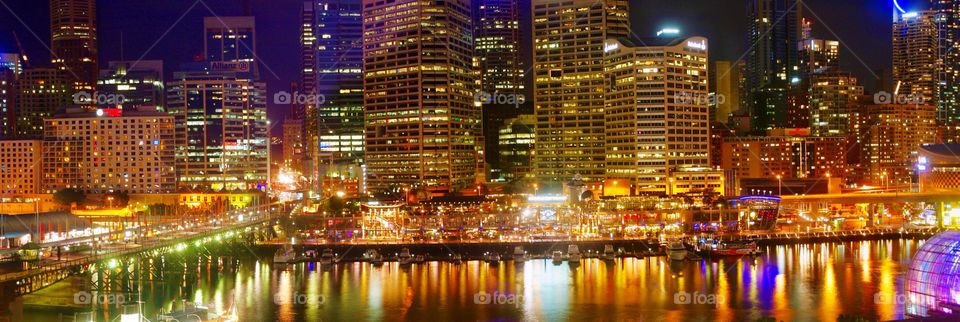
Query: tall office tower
(947,18)
(136,85)
(657,118)
(916,57)
(41,92)
(726,86)
(568,87)
(816,56)
(516,139)
(109,150)
(231,39)
(308,51)
(891,135)
(772,61)
(73,45)
(10,70)
(419,86)
(220,116)
(497,30)
(335,135)
(833,97)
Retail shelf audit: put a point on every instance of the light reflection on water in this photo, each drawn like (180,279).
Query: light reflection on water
(814,282)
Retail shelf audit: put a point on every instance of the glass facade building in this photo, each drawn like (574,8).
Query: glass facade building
(933,280)
(221,128)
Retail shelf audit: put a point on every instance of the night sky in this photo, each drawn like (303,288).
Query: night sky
(171,30)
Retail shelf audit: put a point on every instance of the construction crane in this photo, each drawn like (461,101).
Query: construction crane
(23,54)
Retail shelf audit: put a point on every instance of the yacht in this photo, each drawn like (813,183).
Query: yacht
(573,253)
(519,255)
(456,259)
(492,258)
(557,257)
(676,250)
(374,257)
(608,253)
(405,258)
(285,254)
(327,257)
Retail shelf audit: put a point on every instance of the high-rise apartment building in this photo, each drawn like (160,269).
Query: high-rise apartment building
(656,108)
(568,87)
(220,115)
(916,56)
(516,139)
(20,166)
(833,96)
(890,139)
(419,85)
(816,56)
(109,150)
(41,92)
(947,19)
(73,45)
(772,60)
(135,85)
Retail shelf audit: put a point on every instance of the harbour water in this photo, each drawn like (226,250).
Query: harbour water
(806,282)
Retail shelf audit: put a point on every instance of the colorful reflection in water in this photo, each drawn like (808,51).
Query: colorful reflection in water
(815,282)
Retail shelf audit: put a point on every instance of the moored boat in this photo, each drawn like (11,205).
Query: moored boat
(608,253)
(285,254)
(676,250)
(405,258)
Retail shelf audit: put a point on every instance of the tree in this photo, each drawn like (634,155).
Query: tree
(335,205)
(69,196)
(117,199)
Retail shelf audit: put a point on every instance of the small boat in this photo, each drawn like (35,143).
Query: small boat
(456,259)
(519,255)
(285,254)
(327,257)
(557,257)
(492,258)
(608,253)
(419,259)
(573,253)
(676,250)
(405,258)
(373,256)
(733,248)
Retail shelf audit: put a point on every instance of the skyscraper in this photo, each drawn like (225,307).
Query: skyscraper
(916,56)
(10,70)
(816,56)
(231,39)
(497,29)
(947,19)
(656,104)
(419,85)
(772,60)
(139,83)
(73,33)
(726,86)
(568,87)
(220,115)
(335,126)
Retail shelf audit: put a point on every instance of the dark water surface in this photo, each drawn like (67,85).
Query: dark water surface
(815,282)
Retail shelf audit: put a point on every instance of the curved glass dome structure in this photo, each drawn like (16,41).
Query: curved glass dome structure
(933,279)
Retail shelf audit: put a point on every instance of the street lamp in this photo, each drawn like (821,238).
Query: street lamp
(779,185)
